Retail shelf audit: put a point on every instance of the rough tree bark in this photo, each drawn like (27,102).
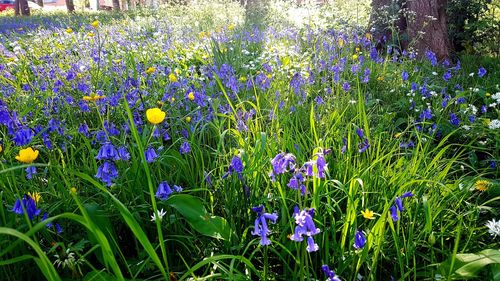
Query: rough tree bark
(116,5)
(21,8)
(423,24)
(17,9)
(70,6)
(429,25)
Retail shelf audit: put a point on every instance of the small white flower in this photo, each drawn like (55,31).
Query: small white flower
(472,74)
(159,215)
(494,124)
(434,73)
(496,96)
(493,227)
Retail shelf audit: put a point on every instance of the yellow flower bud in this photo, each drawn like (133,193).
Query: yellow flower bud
(95,24)
(191,96)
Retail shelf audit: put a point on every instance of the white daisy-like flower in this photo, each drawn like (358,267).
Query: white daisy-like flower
(493,227)
(159,215)
(494,124)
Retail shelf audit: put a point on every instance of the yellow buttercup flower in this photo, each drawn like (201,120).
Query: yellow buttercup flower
(69,30)
(354,57)
(150,70)
(380,78)
(188,119)
(368,36)
(1,148)
(397,135)
(27,155)
(230,27)
(35,196)
(90,34)
(95,24)
(482,185)
(155,115)
(191,96)
(73,190)
(172,77)
(368,214)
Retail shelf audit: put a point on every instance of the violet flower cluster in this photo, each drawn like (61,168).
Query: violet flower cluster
(305,228)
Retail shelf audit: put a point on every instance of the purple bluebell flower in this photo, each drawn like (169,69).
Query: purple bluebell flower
(426,114)
(29,205)
(23,136)
(297,182)
(364,144)
(59,229)
(404,75)
(431,57)
(30,171)
(44,217)
(330,274)
(236,166)
(260,224)
(394,213)
(481,72)
(185,148)
(123,153)
(163,191)
(178,188)
(305,226)
(84,130)
(281,163)
(447,76)
(311,245)
(359,240)
(107,152)
(344,147)
(454,119)
(398,205)
(107,172)
(346,87)
(150,154)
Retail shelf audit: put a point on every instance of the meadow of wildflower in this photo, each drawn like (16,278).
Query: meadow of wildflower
(212,143)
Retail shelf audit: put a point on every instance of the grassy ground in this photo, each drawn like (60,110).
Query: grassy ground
(284,146)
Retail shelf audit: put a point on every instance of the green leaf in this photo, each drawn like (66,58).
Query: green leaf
(468,265)
(192,209)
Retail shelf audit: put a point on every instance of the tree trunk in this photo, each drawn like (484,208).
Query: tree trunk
(415,27)
(70,6)
(116,5)
(429,27)
(17,9)
(24,8)
(40,3)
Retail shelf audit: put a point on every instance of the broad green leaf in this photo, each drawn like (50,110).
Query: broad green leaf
(468,265)
(192,209)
